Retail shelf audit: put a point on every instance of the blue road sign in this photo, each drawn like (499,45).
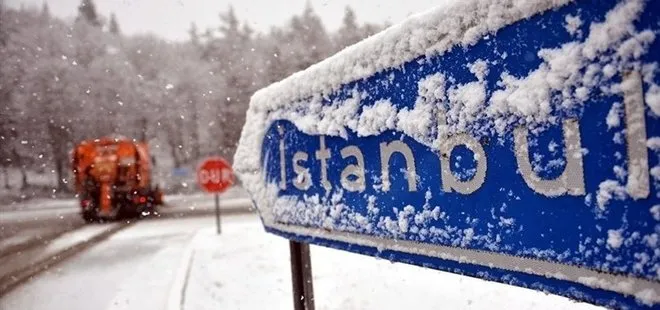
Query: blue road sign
(181,172)
(515,142)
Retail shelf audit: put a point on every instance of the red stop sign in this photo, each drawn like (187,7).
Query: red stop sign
(214,175)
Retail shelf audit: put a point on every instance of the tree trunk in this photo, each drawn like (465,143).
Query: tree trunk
(5,171)
(59,171)
(58,143)
(171,141)
(24,179)
(19,162)
(175,157)
(143,129)
(183,149)
(195,131)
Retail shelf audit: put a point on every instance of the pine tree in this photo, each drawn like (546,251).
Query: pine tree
(194,35)
(87,12)
(231,25)
(232,56)
(309,39)
(4,33)
(114,26)
(349,20)
(45,12)
(275,68)
(350,32)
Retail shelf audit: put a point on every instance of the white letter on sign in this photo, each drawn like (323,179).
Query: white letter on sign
(571,181)
(386,151)
(203,176)
(282,161)
(215,176)
(323,154)
(226,175)
(449,180)
(303,179)
(358,185)
(638,158)
(210,176)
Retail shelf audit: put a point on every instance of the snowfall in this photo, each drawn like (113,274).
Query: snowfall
(184,264)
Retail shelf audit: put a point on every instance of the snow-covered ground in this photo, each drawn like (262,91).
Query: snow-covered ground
(149,265)
(246,268)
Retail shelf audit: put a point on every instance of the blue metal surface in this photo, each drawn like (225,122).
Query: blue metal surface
(504,215)
(181,172)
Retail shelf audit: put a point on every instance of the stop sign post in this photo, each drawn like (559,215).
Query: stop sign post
(214,175)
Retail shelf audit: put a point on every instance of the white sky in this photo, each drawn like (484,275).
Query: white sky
(172,18)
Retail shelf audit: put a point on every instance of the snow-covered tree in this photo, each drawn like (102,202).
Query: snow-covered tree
(63,82)
(45,12)
(231,55)
(113,27)
(15,53)
(87,12)
(350,31)
(194,35)
(308,40)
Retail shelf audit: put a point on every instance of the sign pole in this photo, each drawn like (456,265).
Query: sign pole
(301,276)
(214,176)
(217,212)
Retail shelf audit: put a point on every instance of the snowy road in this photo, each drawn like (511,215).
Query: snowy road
(133,269)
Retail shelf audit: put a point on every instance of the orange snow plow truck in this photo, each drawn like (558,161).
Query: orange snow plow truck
(113,179)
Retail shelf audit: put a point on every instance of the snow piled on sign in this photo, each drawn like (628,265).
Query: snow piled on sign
(565,79)
(419,122)
(299,97)
(573,24)
(572,70)
(376,118)
(434,32)
(614,238)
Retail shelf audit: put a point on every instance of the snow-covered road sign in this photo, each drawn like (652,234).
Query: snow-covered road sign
(516,141)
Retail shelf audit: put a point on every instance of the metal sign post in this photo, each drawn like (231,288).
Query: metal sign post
(214,176)
(217,213)
(301,276)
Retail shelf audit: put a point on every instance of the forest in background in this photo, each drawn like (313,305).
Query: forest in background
(66,81)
